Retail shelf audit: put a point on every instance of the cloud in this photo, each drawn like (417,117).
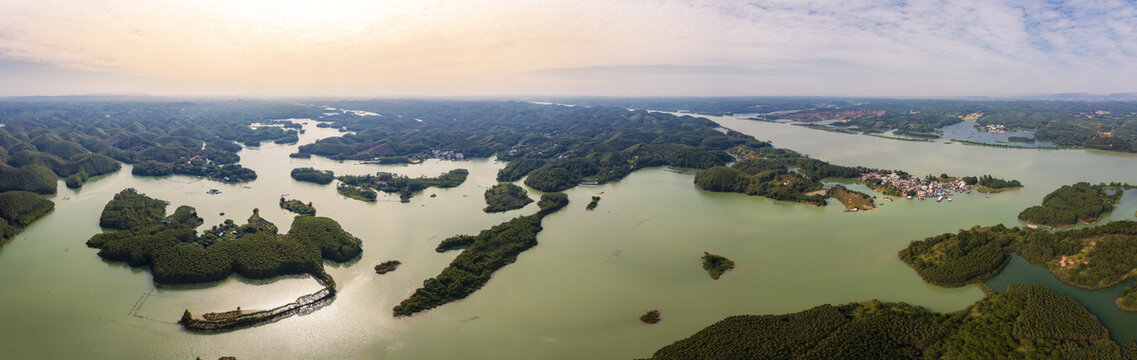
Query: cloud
(761,47)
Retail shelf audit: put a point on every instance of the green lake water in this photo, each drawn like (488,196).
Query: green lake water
(577,295)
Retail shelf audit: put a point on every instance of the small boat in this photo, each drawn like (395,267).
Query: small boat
(941,198)
(888,198)
(909,197)
(949,199)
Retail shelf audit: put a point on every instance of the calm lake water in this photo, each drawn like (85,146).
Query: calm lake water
(577,295)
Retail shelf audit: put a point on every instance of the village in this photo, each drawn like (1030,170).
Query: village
(914,187)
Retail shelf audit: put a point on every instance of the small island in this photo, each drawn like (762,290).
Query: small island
(360,187)
(505,197)
(650,317)
(1072,204)
(312,175)
(298,207)
(387,266)
(592,204)
(716,265)
(853,200)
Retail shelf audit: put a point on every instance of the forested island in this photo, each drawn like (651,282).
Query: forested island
(1072,204)
(360,187)
(298,207)
(1024,321)
(176,254)
(505,197)
(484,254)
(387,266)
(592,204)
(313,176)
(650,317)
(716,265)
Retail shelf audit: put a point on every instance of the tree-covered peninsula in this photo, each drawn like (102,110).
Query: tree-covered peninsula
(774,173)
(19,209)
(1090,258)
(1024,321)
(359,186)
(505,197)
(991,184)
(484,254)
(1072,204)
(852,199)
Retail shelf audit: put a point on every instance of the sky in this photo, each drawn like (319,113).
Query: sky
(577,47)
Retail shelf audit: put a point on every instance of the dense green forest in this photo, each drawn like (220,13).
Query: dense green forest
(505,197)
(394,183)
(489,251)
(716,265)
(298,207)
(1106,124)
(176,253)
(19,209)
(37,179)
(557,147)
(313,176)
(1071,204)
(1090,258)
(1025,321)
(80,139)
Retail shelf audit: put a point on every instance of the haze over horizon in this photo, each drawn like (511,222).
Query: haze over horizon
(631,48)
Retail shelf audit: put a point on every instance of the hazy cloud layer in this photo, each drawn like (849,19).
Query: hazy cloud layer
(436,47)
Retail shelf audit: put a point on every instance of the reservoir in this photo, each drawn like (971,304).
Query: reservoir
(577,295)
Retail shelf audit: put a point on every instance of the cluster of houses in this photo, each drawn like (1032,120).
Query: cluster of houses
(918,187)
(447,154)
(995,128)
